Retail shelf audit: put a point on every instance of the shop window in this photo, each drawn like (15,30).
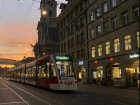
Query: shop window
(93,51)
(116,45)
(107,47)
(100,50)
(127,41)
(138,38)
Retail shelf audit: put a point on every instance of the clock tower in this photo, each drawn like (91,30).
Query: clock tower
(48,35)
(48,10)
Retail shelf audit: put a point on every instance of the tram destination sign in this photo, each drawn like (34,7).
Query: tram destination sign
(62,58)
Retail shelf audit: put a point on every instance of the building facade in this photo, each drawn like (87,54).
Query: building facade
(105,38)
(48,36)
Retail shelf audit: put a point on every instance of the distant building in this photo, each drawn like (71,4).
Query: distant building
(27,60)
(48,36)
(103,38)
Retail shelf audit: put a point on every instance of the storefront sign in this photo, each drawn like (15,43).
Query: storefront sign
(134,55)
(80,62)
(111,59)
(96,61)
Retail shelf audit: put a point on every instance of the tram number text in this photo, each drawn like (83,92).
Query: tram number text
(68,83)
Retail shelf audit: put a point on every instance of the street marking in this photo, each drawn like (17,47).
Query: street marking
(11,103)
(16,94)
(32,91)
(32,95)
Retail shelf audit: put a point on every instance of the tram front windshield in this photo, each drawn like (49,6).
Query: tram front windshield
(65,68)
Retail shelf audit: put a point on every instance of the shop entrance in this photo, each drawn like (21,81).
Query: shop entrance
(132,67)
(97,73)
(113,71)
(81,73)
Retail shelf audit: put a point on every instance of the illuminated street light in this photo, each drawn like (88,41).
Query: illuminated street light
(44,12)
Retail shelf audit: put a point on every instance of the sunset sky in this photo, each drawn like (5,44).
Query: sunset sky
(12,33)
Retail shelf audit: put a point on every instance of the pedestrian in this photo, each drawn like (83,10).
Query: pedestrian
(134,77)
(62,73)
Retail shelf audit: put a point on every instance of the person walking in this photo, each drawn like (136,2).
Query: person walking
(134,77)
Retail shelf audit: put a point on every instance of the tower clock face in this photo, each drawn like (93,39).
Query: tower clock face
(50,3)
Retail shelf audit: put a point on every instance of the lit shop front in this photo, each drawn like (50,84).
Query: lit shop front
(81,72)
(97,72)
(132,66)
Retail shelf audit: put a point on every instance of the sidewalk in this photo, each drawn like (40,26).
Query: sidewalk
(112,87)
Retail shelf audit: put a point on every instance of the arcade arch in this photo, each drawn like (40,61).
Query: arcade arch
(113,70)
(130,68)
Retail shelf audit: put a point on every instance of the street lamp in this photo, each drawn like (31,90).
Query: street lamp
(44,12)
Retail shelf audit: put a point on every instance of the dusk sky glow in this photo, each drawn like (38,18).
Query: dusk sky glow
(13,15)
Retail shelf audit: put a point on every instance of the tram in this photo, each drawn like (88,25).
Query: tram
(52,72)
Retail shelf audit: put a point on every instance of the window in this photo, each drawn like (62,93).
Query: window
(125,17)
(92,33)
(82,53)
(114,22)
(105,24)
(81,7)
(50,13)
(93,51)
(104,7)
(81,22)
(121,0)
(107,44)
(136,11)
(127,41)
(77,25)
(90,1)
(61,24)
(72,43)
(98,30)
(69,31)
(113,3)
(64,22)
(72,31)
(76,10)
(64,34)
(71,15)
(91,16)
(82,37)
(68,44)
(100,50)
(138,38)
(77,38)
(61,47)
(64,46)
(72,55)
(116,45)
(68,19)
(78,54)
(97,11)
(53,72)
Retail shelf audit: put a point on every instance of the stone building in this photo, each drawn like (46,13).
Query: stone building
(48,36)
(103,38)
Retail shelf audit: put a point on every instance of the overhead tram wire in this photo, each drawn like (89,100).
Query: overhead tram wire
(22,24)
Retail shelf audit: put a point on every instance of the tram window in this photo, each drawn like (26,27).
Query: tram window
(43,74)
(67,66)
(48,73)
(53,72)
(34,73)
